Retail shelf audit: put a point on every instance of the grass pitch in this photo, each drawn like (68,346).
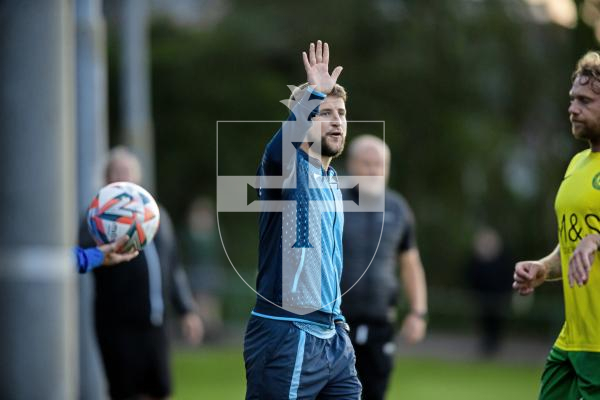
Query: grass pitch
(217,374)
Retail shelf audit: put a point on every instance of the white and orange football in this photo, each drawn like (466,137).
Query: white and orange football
(123,208)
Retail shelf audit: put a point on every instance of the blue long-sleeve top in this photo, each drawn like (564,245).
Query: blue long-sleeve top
(88,259)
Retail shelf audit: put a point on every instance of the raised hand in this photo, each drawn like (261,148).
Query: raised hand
(582,259)
(316,64)
(528,275)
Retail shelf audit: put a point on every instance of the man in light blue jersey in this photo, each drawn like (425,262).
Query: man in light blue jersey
(297,343)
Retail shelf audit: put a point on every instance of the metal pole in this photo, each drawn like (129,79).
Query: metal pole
(92,145)
(38,339)
(137,129)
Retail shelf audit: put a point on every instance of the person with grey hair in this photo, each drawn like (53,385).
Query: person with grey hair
(130,304)
(372,323)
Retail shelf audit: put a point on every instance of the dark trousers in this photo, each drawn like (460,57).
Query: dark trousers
(136,361)
(284,362)
(374,348)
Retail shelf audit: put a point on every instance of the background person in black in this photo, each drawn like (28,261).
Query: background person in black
(130,304)
(490,280)
(370,306)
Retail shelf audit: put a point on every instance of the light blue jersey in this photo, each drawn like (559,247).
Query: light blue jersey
(300,254)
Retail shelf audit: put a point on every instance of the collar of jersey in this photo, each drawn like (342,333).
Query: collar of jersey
(316,163)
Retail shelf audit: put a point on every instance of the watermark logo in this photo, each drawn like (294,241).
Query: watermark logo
(301,203)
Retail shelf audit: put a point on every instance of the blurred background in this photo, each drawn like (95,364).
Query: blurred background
(474,95)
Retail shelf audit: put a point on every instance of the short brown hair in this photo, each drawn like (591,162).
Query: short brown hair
(588,70)
(338,91)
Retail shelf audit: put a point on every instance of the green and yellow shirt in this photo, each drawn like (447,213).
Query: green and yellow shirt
(577,208)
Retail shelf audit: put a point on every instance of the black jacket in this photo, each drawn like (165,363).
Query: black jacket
(122,292)
(373,294)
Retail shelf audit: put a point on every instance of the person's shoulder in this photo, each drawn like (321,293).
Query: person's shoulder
(165,226)
(395,202)
(163,211)
(577,158)
(582,154)
(394,198)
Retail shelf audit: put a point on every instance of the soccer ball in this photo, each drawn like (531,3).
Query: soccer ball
(123,208)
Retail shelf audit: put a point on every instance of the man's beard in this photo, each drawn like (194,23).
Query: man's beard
(328,150)
(586,133)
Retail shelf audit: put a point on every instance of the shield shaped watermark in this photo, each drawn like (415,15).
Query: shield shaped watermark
(300,208)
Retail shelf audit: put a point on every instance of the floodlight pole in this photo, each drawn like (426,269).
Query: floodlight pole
(92,145)
(136,119)
(38,297)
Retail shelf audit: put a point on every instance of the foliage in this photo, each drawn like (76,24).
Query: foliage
(473,95)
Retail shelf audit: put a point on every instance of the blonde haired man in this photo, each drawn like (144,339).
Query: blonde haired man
(573,367)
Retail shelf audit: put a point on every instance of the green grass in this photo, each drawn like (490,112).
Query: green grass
(461,380)
(219,374)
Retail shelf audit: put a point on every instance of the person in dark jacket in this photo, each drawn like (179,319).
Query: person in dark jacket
(490,280)
(130,304)
(371,261)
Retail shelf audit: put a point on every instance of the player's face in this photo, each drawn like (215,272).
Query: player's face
(584,108)
(331,122)
(367,162)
